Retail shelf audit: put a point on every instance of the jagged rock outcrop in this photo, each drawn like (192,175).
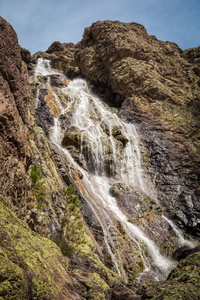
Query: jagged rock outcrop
(157,86)
(16,118)
(51,253)
(33,190)
(62,58)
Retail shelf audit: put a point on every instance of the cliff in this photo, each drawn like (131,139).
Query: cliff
(50,241)
(33,266)
(157,86)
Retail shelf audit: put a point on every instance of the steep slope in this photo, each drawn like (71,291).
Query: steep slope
(157,86)
(32,266)
(56,256)
(16,117)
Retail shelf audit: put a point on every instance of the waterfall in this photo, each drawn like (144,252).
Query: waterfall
(109,153)
(179,234)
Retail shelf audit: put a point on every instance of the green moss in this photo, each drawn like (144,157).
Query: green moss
(45,184)
(12,281)
(29,263)
(98,288)
(183,282)
(60,66)
(36,174)
(37,185)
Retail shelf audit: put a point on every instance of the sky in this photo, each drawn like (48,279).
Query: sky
(38,23)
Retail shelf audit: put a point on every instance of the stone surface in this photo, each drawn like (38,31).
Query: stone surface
(31,266)
(182,283)
(62,58)
(157,86)
(144,212)
(33,185)
(16,118)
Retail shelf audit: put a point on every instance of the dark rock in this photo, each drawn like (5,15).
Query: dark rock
(56,46)
(192,55)
(26,55)
(62,58)
(72,137)
(44,118)
(184,251)
(56,81)
(120,292)
(12,72)
(16,118)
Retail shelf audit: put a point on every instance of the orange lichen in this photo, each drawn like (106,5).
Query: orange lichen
(50,98)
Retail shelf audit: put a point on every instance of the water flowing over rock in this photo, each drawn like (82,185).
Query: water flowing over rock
(158,87)
(101,150)
(93,197)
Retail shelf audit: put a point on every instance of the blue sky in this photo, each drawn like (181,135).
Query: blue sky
(38,23)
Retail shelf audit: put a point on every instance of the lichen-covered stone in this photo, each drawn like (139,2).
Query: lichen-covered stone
(30,264)
(157,86)
(182,283)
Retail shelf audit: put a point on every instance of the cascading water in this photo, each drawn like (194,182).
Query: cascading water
(108,153)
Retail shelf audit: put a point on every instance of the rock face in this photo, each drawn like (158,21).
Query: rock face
(32,266)
(47,249)
(157,86)
(16,117)
(182,283)
(62,58)
(144,212)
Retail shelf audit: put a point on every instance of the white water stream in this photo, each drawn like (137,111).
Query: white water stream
(110,150)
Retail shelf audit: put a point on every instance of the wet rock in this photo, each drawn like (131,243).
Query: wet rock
(72,137)
(44,118)
(184,251)
(121,138)
(159,91)
(93,223)
(50,102)
(144,212)
(182,283)
(56,81)
(117,134)
(77,156)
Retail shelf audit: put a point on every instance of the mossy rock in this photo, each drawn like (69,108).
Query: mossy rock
(182,283)
(72,137)
(30,264)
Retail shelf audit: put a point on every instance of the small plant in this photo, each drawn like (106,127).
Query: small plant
(37,179)
(71,199)
(36,174)
(60,65)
